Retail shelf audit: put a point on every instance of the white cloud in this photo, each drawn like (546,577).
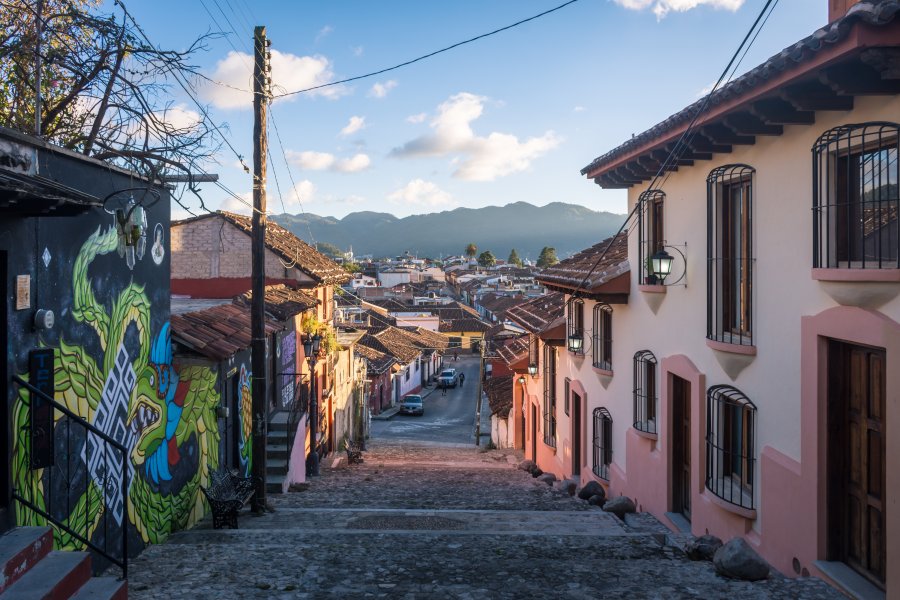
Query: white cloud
(422,193)
(357,50)
(355,124)
(324,161)
(323,32)
(578,109)
(311,161)
(478,158)
(663,7)
(380,90)
(354,164)
(303,192)
(242,206)
(180,116)
(419,118)
(289,73)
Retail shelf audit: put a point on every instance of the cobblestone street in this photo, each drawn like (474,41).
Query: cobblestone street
(436,521)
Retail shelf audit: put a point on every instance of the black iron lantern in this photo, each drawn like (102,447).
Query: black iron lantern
(661,264)
(522,379)
(532,370)
(576,341)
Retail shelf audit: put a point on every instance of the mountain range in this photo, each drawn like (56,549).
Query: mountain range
(520,225)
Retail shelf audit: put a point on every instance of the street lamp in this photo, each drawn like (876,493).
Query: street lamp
(575,342)
(311,345)
(521,379)
(532,369)
(661,264)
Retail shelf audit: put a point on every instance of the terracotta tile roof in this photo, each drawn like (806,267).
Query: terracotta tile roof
(499,391)
(539,312)
(282,302)
(463,325)
(395,342)
(289,247)
(216,332)
(514,351)
(877,13)
(377,361)
(583,271)
(427,339)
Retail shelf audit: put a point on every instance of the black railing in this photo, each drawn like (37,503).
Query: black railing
(602,346)
(856,197)
(299,406)
(730,444)
(730,262)
(602,442)
(644,391)
(107,484)
(550,429)
(650,231)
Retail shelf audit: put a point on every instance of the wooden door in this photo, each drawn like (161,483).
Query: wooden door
(533,433)
(681,446)
(856,441)
(576,434)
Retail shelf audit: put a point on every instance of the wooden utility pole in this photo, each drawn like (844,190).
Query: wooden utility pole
(480,392)
(258,274)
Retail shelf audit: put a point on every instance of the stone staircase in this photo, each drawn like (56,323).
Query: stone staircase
(277,453)
(32,570)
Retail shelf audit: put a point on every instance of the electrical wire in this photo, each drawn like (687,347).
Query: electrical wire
(429,55)
(680,146)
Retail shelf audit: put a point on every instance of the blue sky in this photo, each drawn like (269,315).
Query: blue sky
(513,117)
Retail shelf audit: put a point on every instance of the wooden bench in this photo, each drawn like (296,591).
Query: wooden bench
(227,493)
(354,453)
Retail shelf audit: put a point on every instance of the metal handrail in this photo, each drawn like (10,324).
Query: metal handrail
(116,446)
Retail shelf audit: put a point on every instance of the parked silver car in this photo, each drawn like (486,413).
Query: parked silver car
(412,405)
(448,378)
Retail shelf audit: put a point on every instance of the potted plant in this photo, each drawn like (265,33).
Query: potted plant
(649,277)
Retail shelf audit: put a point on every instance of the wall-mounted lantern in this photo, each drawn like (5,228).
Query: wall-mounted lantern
(532,370)
(576,341)
(661,264)
(521,379)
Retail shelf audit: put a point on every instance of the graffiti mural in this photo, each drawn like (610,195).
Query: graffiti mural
(112,370)
(245,401)
(288,347)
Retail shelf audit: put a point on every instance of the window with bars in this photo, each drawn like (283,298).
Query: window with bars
(550,396)
(729,273)
(730,441)
(602,342)
(534,352)
(602,443)
(651,238)
(856,197)
(644,392)
(575,312)
(567,390)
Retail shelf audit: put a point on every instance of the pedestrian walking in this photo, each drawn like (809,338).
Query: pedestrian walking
(443,389)
(462,379)
(456,356)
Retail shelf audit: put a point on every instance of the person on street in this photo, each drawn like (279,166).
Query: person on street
(462,379)
(443,389)
(456,356)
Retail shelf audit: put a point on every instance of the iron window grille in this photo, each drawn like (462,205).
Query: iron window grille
(534,352)
(602,343)
(550,396)
(576,322)
(567,390)
(856,197)
(730,445)
(651,238)
(602,443)
(644,392)
(729,272)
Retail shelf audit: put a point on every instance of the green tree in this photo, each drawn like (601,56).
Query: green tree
(329,250)
(471,250)
(547,257)
(514,258)
(487,259)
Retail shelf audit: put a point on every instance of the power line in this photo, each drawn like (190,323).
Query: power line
(290,175)
(686,135)
(429,55)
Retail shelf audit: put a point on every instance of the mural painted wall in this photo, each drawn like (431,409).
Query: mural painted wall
(113,368)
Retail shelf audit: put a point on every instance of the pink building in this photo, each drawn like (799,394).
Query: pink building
(755,390)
